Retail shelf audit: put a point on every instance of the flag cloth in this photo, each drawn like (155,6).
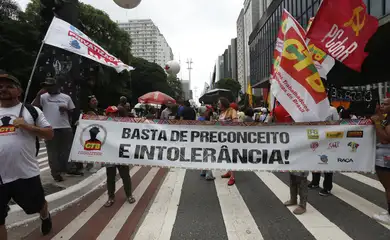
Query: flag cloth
(342,30)
(65,36)
(295,81)
(250,95)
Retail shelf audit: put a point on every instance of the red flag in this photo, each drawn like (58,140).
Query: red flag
(342,29)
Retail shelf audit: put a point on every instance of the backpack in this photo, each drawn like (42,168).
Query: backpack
(34,114)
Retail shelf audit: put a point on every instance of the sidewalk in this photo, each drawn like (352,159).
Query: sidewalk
(58,195)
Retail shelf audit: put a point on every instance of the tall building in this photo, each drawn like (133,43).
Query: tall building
(233,59)
(147,41)
(185,84)
(240,50)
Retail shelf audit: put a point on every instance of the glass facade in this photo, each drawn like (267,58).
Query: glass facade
(263,38)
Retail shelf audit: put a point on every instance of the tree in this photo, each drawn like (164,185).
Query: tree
(147,77)
(175,86)
(229,84)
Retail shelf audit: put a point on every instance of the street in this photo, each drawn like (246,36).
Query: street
(179,204)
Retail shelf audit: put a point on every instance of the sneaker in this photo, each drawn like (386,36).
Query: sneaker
(46,226)
(382,218)
(226,175)
(75,173)
(325,193)
(58,178)
(290,203)
(231,182)
(313,186)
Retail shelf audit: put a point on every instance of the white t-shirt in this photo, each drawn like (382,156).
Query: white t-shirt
(333,115)
(17,147)
(51,109)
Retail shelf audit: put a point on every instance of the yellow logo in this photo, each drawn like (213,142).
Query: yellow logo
(313,134)
(354,22)
(334,134)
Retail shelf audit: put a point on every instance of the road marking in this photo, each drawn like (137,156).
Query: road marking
(84,217)
(114,226)
(361,204)
(238,220)
(40,160)
(316,223)
(160,218)
(366,180)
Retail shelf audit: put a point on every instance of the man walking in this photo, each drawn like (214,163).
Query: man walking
(57,107)
(19,171)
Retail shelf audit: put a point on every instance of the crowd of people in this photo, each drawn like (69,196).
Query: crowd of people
(48,118)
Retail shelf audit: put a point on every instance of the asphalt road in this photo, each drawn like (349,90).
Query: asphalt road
(180,205)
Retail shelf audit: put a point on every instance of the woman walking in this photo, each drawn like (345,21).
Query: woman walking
(124,172)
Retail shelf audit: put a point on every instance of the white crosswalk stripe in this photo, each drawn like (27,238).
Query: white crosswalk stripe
(251,209)
(42,157)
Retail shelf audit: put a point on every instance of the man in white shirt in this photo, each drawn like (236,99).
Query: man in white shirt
(19,169)
(57,107)
(333,115)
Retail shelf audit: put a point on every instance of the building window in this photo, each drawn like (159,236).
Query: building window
(376,8)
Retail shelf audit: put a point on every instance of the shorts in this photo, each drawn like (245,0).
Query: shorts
(382,169)
(27,193)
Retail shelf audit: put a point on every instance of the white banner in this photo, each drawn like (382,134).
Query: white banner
(349,146)
(63,35)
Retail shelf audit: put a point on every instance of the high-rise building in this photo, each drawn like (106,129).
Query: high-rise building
(233,59)
(240,50)
(147,41)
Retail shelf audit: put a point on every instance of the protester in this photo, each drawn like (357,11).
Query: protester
(230,115)
(166,112)
(124,172)
(204,115)
(19,171)
(328,182)
(57,107)
(123,107)
(249,113)
(263,115)
(151,113)
(240,114)
(187,113)
(382,161)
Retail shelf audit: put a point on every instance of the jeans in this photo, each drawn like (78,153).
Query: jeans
(58,150)
(328,182)
(124,172)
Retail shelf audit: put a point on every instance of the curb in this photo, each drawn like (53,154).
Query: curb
(60,200)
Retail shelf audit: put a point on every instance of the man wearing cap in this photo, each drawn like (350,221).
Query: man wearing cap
(57,108)
(19,171)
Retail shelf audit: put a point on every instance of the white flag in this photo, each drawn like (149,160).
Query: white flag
(63,35)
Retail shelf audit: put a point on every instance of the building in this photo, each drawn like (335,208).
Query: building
(233,59)
(374,69)
(240,50)
(147,41)
(185,84)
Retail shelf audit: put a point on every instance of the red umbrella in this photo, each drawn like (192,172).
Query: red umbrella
(156,98)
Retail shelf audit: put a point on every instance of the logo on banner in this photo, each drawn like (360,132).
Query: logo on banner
(6,128)
(92,139)
(345,160)
(355,22)
(354,146)
(334,134)
(324,159)
(313,134)
(355,134)
(314,145)
(333,145)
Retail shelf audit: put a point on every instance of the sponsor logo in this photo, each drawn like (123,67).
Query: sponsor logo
(334,134)
(323,159)
(314,145)
(92,139)
(345,160)
(354,146)
(313,134)
(75,44)
(354,134)
(333,145)
(6,127)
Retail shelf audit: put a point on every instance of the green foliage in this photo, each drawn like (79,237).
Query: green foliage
(229,84)
(175,86)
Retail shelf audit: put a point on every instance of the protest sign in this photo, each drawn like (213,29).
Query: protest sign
(235,146)
(63,35)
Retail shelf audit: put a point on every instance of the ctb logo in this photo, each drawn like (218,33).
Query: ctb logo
(93,137)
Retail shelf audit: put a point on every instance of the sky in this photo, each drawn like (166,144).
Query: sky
(196,29)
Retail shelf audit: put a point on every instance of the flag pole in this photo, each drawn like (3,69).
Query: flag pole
(30,80)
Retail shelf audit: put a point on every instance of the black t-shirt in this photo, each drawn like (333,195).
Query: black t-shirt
(188,113)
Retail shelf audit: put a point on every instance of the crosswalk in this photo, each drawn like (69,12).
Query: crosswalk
(42,157)
(178,204)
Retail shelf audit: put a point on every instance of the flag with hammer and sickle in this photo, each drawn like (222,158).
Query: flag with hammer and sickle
(342,29)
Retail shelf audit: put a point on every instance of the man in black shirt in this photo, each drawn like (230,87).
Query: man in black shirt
(188,113)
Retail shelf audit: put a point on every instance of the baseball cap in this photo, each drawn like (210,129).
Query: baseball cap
(5,75)
(49,82)
(234,106)
(111,109)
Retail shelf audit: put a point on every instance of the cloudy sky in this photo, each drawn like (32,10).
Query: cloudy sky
(197,29)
